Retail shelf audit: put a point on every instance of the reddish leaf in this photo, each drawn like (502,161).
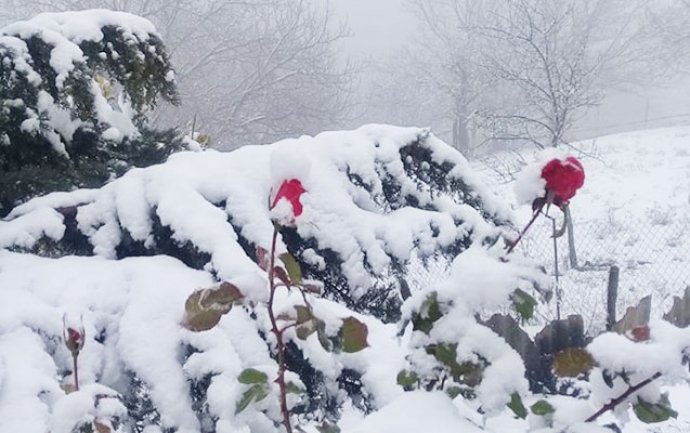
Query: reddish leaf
(102,427)
(262,258)
(280,273)
(313,287)
(354,334)
(639,333)
(204,307)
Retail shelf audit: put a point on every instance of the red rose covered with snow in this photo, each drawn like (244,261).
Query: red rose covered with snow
(290,192)
(563,179)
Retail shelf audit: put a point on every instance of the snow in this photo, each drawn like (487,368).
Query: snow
(529,184)
(132,308)
(137,303)
(416,412)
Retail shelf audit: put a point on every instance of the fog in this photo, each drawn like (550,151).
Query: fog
(260,70)
(379,29)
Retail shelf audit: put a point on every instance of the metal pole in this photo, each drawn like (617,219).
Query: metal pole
(611,296)
(555,266)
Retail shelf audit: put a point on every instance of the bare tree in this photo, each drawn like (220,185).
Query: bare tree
(248,71)
(437,79)
(557,59)
(528,70)
(269,73)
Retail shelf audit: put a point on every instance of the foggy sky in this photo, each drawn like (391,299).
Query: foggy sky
(380,27)
(377,27)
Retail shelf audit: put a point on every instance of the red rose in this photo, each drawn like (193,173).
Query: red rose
(563,178)
(290,190)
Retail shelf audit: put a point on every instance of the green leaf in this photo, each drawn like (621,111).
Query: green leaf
(307,323)
(407,379)
(204,307)
(304,314)
(524,303)
(516,406)
(466,392)
(253,393)
(446,354)
(429,313)
(305,330)
(326,342)
(654,412)
(468,372)
(572,362)
(354,335)
(542,407)
(293,268)
(454,391)
(292,388)
(328,428)
(251,376)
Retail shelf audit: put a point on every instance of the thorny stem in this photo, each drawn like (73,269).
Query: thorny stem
(621,398)
(529,224)
(76,371)
(280,344)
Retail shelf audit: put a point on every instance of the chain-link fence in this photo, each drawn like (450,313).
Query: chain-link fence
(652,252)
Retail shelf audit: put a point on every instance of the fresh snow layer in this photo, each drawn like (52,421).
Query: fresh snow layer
(131,309)
(196,193)
(416,412)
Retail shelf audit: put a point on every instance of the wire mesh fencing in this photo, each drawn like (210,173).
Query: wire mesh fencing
(652,252)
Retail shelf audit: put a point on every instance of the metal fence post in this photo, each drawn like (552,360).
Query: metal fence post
(611,296)
(559,295)
(572,254)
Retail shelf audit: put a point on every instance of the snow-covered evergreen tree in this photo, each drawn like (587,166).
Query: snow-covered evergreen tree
(74,90)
